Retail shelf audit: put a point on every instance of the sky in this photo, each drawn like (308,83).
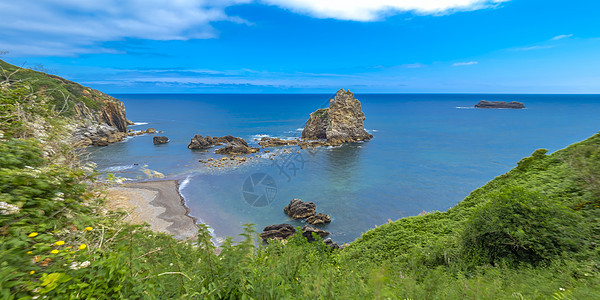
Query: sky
(309,46)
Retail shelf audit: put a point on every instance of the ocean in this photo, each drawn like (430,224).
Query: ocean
(429,152)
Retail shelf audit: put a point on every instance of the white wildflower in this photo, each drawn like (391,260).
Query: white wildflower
(8,209)
(85,264)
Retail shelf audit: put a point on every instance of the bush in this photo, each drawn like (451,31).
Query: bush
(518,226)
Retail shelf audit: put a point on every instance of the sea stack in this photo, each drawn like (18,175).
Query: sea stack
(499,104)
(340,123)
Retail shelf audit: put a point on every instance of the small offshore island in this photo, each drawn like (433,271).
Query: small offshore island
(68,233)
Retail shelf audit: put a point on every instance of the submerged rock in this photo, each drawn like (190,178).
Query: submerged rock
(318,219)
(298,209)
(157,140)
(342,122)
(266,142)
(499,104)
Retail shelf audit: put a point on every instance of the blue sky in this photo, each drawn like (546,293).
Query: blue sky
(309,46)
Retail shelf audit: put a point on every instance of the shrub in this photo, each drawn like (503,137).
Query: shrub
(519,226)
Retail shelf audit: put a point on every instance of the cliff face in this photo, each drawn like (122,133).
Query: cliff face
(88,108)
(341,122)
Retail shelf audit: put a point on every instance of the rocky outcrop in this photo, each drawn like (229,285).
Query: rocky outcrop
(332,244)
(316,126)
(96,135)
(157,140)
(307,232)
(285,231)
(278,232)
(233,145)
(342,122)
(298,209)
(318,219)
(499,104)
(236,147)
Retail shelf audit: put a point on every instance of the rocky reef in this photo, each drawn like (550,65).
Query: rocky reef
(499,104)
(342,122)
(233,145)
(157,140)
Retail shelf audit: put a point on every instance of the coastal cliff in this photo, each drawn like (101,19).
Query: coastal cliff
(342,122)
(91,117)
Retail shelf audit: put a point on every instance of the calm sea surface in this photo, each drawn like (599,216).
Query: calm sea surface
(428,153)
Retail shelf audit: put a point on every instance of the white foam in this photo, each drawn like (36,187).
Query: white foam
(139,123)
(465,107)
(118,168)
(184,183)
(259,136)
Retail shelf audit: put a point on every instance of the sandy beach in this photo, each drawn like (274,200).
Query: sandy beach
(157,203)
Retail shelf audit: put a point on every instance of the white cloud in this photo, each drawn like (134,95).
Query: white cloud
(466,63)
(539,47)
(71,26)
(372,10)
(560,37)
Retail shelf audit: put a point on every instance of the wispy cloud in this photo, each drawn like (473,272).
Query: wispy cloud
(373,10)
(560,37)
(466,63)
(539,47)
(412,66)
(73,26)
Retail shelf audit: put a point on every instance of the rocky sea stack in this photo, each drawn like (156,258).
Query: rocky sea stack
(499,104)
(342,122)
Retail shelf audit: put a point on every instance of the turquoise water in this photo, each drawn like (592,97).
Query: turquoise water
(428,153)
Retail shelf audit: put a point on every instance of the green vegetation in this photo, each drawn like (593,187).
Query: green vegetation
(531,233)
(321,113)
(64,96)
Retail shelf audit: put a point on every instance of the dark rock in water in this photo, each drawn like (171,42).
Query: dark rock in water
(278,232)
(300,210)
(234,145)
(316,126)
(331,244)
(318,219)
(307,232)
(150,130)
(499,104)
(160,140)
(340,123)
(285,231)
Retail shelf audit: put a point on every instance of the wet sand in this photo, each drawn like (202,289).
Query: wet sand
(157,203)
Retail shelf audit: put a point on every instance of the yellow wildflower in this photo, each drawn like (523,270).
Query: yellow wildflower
(33,234)
(59,243)
(31,272)
(88,228)
(83,246)
(29,252)
(54,251)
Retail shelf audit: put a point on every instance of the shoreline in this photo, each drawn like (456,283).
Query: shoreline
(158,203)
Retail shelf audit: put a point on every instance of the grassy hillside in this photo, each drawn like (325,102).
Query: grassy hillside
(63,94)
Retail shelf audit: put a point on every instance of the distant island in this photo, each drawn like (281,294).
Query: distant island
(499,104)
